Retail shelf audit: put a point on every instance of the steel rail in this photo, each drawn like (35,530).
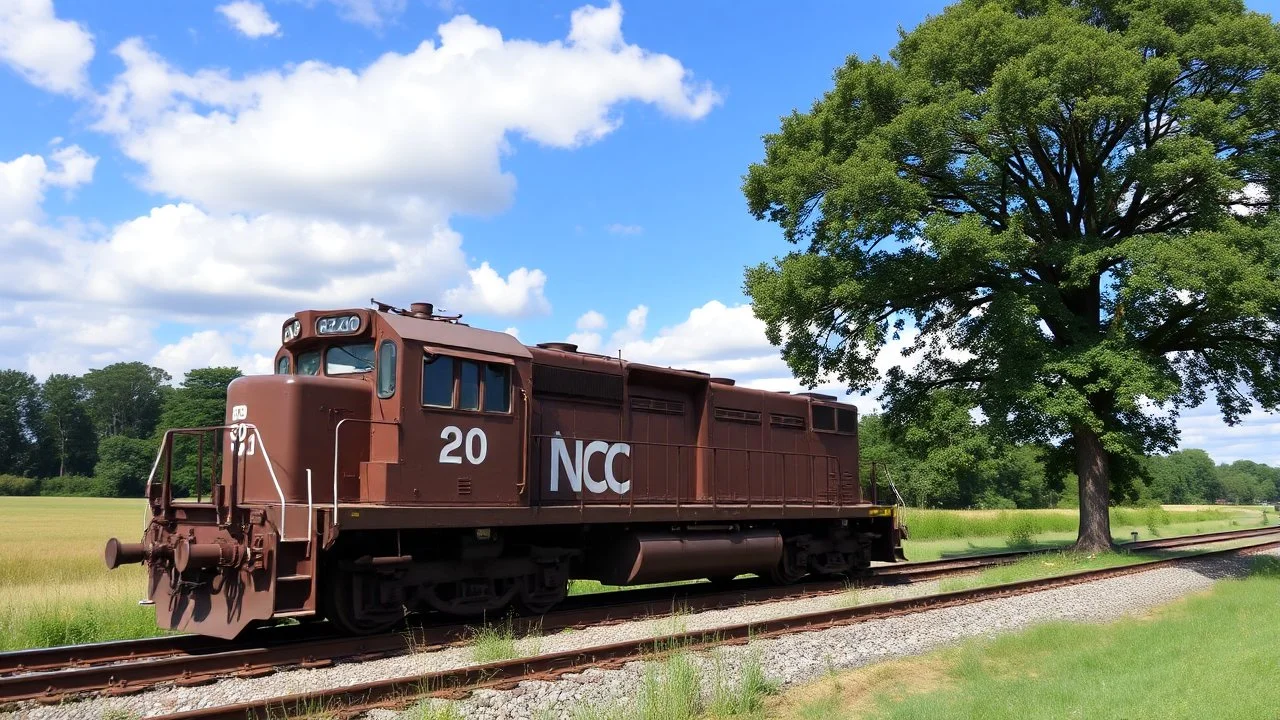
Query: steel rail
(459,682)
(53,674)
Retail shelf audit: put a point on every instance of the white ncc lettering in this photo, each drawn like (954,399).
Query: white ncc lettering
(577,468)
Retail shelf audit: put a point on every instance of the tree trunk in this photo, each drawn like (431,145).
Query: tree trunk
(1094,473)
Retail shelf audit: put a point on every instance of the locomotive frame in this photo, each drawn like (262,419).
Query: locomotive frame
(401,460)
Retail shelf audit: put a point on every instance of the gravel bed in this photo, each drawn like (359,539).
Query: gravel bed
(804,657)
(790,659)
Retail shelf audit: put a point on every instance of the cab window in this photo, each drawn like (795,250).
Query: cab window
(386,369)
(309,362)
(437,381)
(497,388)
(466,384)
(282,366)
(348,359)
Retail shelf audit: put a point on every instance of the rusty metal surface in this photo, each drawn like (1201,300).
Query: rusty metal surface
(504,674)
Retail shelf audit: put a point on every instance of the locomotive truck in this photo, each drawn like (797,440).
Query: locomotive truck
(399,460)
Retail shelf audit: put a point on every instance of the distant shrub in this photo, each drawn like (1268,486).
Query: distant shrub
(1021,530)
(74,486)
(1155,516)
(14,485)
(992,501)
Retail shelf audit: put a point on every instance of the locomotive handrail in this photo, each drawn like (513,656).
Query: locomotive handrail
(166,443)
(336,429)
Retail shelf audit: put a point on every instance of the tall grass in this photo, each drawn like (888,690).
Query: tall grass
(54,587)
(493,642)
(927,524)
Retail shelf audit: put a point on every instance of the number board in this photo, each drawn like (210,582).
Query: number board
(338,325)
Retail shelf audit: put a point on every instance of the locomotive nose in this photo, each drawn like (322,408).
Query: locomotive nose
(118,553)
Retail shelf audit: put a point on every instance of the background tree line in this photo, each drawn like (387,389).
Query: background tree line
(943,457)
(98,433)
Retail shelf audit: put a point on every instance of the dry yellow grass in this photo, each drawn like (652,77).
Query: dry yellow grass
(54,586)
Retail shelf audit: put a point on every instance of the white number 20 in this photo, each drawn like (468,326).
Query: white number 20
(476,450)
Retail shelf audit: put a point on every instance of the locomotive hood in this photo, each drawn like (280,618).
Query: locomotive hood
(295,418)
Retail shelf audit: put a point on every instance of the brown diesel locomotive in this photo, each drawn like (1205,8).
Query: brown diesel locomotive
(401,460)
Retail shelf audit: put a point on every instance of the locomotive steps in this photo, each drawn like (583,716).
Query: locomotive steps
(714,627)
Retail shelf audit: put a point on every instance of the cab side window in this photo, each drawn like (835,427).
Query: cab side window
(449,382)
(468,386)
(386,369)
(497,388)
(437,381)
(282,366)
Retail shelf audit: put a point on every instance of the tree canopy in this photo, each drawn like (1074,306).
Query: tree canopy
(126,398)
(1067,206)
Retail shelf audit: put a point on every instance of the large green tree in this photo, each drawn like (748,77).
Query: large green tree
(19,405)
(1069,205)
(126,398)
(66,435)
(1184,476)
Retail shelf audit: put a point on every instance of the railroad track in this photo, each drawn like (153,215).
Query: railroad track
(52,675)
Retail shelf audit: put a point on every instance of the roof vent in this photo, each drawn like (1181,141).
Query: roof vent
(421,310)
(562,346)
(818,396)
(722,381)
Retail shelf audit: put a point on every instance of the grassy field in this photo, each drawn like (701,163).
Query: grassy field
(936,534)
(55,589)
(1211,655)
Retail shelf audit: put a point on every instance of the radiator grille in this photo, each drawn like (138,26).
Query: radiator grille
(786,421)
(657,405)
(735,415)
(550,380)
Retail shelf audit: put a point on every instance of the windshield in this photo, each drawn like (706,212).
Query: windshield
(309,362)
(346,359)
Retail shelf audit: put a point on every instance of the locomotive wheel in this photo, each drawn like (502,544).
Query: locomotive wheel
(543,590)
(341,605)
(471,597)
(789,569)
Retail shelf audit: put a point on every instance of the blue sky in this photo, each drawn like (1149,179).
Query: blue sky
(181,176)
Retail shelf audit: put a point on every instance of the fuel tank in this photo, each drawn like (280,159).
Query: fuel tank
(652,557)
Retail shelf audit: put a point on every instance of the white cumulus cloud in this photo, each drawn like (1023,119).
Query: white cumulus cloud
(250,18)
(25,180)
(520,293)
(592,320)
(410,136)
(48,52)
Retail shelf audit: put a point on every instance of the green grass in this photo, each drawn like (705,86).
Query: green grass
(1209,655)
(493,642)
(1041,566)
